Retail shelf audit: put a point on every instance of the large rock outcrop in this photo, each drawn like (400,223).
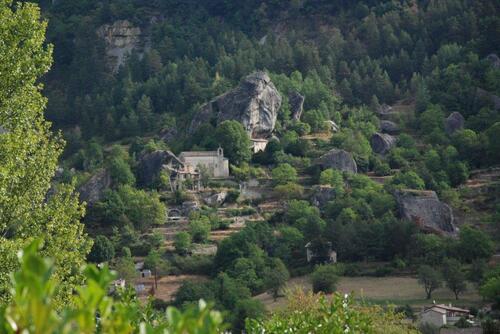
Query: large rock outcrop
(120,39)
(382,142)
(92,191)
(151,164)
(389,127)
(426,210)
(254,103)
(296,101)
(454,122)
(338,159)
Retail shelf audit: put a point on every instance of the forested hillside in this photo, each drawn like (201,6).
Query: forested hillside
(381,127)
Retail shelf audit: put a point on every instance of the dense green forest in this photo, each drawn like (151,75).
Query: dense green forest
(360,65)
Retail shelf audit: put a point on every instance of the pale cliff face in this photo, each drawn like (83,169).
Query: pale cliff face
(121,38)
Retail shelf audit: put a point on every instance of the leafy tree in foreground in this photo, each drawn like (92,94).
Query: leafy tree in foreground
(28,158)
(309,313)
(33,309)
(429,278)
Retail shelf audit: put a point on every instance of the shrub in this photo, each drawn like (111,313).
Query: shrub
(325,278)
(289,191)
(383,271)
(182,243)
(284,174)
(352,270)
(232,196)
(199,229)
(102,250)
(194,265)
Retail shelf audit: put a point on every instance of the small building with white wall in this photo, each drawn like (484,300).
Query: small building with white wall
(440,315)
(213,161)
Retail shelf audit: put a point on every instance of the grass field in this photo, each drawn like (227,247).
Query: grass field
(383,290)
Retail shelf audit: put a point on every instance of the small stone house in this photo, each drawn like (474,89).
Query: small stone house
(213,161)
(145,273)
(440,315)
(314,256)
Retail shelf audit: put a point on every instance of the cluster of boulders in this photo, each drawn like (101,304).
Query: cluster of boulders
(382,141)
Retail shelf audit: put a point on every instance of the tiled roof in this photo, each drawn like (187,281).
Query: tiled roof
(447,308)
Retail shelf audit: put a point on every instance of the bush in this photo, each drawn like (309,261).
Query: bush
(199,229)
(232,196)
(406,310)
(182,243)
(284,174)
(426,328)
(102,250)
(194,265)
(247,211)
(141,248)
(352,270)
(289,191)
(383,271)
(325,278)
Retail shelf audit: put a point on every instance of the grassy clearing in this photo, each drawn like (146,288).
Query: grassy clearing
(383,290)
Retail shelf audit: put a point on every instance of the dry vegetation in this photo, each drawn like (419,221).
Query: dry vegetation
(381,290)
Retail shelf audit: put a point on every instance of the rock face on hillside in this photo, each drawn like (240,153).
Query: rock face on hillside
(215,199)
(93,190)
(120,38)
(338,159)
(425,209)
(382,142)
(254,103)
(151,164)
(454,122)
(322,195)
(493,59)
(389,127)
(296,102)
(484,95)
(384,110)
